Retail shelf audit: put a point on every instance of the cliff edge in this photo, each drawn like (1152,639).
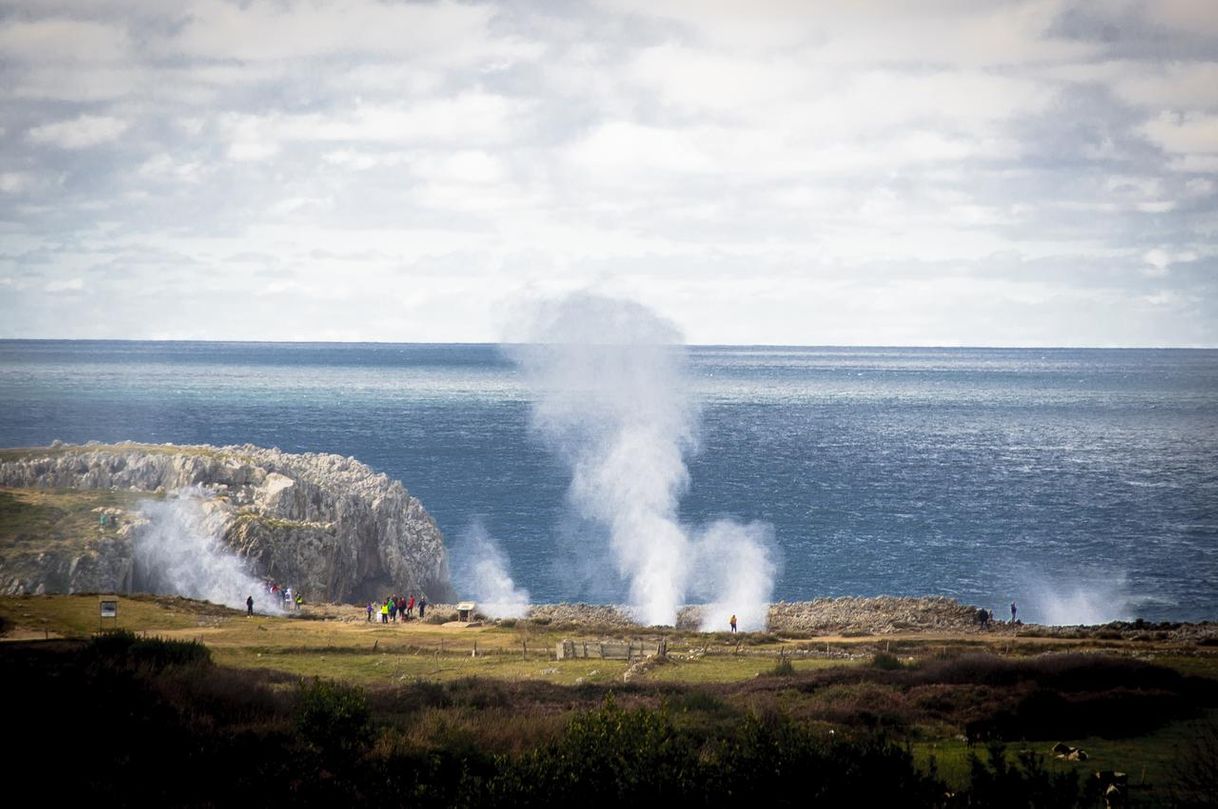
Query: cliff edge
(328,525)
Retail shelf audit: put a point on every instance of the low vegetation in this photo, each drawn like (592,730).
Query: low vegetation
(317,711)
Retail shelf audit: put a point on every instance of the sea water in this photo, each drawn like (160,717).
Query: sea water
(1081,484)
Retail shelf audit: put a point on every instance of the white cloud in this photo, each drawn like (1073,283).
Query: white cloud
(80,132)
(70,285)
(1188,16)
(165,167)
(789,170)
(469,166)
(467,119)
(1190,133)
(62,40)
(1159,261)
(14,182)
(442,32)
(1191,85)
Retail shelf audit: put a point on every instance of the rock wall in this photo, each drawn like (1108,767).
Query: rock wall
(328,525)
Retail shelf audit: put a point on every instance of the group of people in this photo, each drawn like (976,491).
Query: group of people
(396,605)
(288,600)
(986,617)
(284,594)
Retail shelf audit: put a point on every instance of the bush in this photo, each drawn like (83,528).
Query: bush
(122,647)
(782,668)
(609,755)
(1195,771)
(885,662)
(333,717)
(1000,785)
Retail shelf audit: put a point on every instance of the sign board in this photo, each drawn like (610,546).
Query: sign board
(109,609)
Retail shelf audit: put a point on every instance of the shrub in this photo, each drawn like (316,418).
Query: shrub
(610,755)
(333,717)
(1195,771)
(885,662)
(782,668)
(122,647)
(999,784)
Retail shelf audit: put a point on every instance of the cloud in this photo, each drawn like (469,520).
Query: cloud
(60,40)
(1028,172)
(1188,133)
(78,133)
(12,182)
(443,32)
(70,285)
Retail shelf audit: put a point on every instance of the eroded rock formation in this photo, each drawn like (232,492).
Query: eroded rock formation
(329,525)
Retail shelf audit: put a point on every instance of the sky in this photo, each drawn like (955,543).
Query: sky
(932,172)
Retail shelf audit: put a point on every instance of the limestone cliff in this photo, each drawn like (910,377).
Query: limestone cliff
(328,525)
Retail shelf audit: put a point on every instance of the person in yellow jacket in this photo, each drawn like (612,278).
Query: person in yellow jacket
(385,613)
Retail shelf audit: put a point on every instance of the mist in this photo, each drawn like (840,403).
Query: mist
(480,568)
(180,553)
(611,397)
(1091,598)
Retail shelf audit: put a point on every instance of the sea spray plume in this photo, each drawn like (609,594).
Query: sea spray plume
(480,568)
(611,397)
(180,553)
(733,574)
(1094,597)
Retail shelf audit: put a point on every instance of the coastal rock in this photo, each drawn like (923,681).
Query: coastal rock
(877,615)
(328,525)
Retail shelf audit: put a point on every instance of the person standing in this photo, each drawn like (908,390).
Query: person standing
(410,606)
(422,606)
(369,612)
(733,622)
(249,605)
(1014,610)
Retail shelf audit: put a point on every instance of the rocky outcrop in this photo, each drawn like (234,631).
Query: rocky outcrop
(876,615)
(329,525)
(871,616)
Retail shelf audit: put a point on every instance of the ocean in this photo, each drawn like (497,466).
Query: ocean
(1081,484)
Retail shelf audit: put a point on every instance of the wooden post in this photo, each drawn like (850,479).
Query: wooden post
(524,643)
(475,652)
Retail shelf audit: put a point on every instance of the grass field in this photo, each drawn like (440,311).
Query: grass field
(500,689)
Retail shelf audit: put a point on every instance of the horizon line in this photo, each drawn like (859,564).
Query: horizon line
(483,343)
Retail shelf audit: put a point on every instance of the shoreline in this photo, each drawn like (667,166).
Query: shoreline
(852,616)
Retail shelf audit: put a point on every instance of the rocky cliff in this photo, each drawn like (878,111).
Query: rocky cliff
(328,525)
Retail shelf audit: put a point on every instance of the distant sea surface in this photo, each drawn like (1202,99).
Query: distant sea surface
(1083,484)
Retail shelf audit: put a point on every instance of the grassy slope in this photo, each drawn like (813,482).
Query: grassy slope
(21,453)
(34,520)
